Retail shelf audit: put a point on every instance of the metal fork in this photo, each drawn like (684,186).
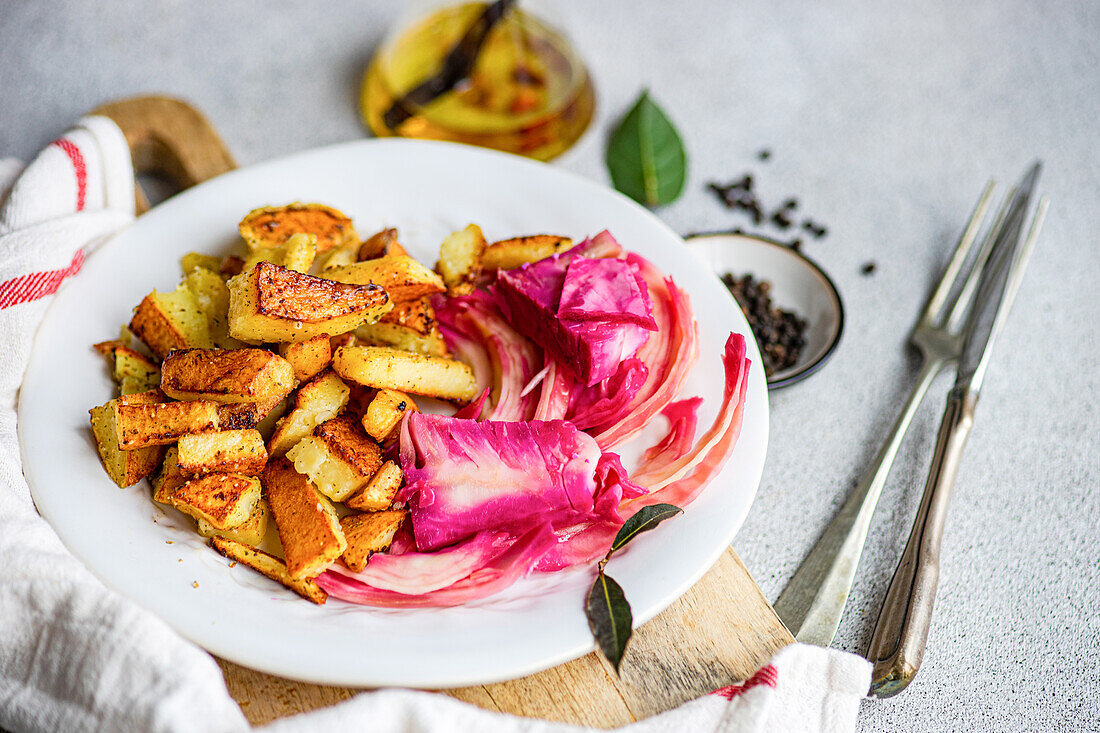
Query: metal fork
(813,602)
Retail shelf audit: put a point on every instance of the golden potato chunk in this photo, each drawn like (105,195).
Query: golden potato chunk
(227,375)
(226,451)
(511,253)
(381,490)
(249,532)
(367,534)
(403,338)
(381,244)
(417,315)
(339,458)
(133,371)
(385,412)
(274,304)
(272,226)
(160,423)
(195,260)
(223,500)
(212,298)
(296,254)
(383,368)
(166,321)
(308,358)
(317,401)
(270,566)
(402,277)
(307,523)
(125,467)
(244,415)
(168,478)
(460,259)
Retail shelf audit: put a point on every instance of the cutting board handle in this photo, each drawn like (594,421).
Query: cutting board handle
(170,139)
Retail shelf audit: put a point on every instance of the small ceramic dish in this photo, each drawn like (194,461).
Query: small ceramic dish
(797,284)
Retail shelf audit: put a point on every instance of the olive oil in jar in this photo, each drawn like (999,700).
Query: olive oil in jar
(527,93)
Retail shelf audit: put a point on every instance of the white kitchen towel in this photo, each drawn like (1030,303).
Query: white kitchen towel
(74,656)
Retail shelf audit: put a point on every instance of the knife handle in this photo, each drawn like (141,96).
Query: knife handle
(897,644)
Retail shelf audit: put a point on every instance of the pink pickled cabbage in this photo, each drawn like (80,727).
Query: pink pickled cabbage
(589,314)
(683,418)
(463,477)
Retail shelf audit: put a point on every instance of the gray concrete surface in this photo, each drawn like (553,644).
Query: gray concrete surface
(884,119)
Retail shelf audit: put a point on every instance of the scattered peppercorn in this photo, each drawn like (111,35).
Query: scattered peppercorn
(814,228)
(764,154)
(780,334)
(868,268)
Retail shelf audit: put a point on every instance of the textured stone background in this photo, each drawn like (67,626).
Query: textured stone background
(885,120)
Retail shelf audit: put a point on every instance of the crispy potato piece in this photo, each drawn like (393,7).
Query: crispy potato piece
(384,368)
(272,303)
(168,478)
(212,298)
(367,534)
(232,265)
(166,321)
(270,566)
(244,415)
(296,254)
(272,226)
(308,358)
(194,260)
(226,451)
(460,259)
(385,412)
(227,375)
(307,523)
(337,258)
(160,423)
(417,315)
(125,467)
(339,458)
(510,253)
(319,400)
(381,490)
(133,371)
(249,532)
(223,500)
(401,337)
(381,244)
(402,277)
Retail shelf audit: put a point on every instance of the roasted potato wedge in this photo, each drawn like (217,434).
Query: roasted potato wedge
(384,368)
(168,478)
(385,412)
(227,375)
(511,253)
(166,321)
(308,358)
(133,371)
(417,315)
(272,226)
(381,244)
(296,254)
(274,304)
(249,532)
(270,566)
(212,298)
(401,337)
(244,415)
(307,523)
(380,492)
(460,259)
(322,399)
(125,467)
(367,534)
(225,451)
(402,277)
(223,500)
(339,458)
(161,423)
(195,260)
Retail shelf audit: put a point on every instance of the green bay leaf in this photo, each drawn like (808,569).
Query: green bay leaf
(643,520)
(609,617)
(645,155)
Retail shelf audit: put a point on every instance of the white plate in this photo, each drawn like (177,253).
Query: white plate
(426,190)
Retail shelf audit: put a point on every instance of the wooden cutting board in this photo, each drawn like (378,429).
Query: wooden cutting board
(718,633)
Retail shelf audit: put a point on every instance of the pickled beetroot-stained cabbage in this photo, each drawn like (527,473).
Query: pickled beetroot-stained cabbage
(589,314)
(463,477)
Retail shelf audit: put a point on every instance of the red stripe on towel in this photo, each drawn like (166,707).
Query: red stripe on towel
(79,168)
(26,288)
(766,675)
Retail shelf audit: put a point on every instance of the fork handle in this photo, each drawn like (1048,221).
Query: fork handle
(897,645)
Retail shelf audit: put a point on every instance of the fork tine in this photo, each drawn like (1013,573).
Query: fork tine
(962,302)
(933,309)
